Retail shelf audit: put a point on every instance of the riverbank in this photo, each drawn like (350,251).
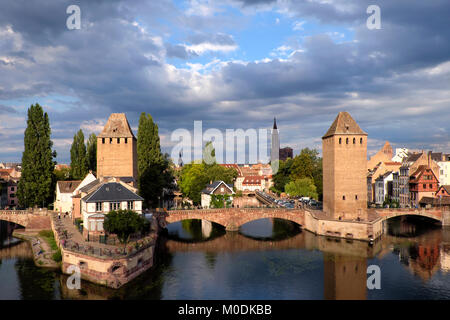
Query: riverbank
(43,252)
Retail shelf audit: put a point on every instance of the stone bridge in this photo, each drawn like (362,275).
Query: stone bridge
(435,214)
(32,219)
(233,218)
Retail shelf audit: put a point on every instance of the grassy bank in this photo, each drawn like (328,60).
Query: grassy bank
(48,236)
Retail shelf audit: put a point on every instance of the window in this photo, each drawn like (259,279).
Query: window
(354,140)
(12,189)
(126,140)
(115,205)
(103,140)
(343,197)
(356,197)
(431,186)
(361,140)
(346,141)
(130,205)
(118,140)
(340,140)
(98,206)
(110,140)
(424,186)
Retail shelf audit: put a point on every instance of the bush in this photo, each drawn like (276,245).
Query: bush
(57,256)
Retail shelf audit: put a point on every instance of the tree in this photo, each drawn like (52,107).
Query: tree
(302,187)
(195,176)
(124,223)
(78,157)
(36,186)
(92,152)
(308,164)
(282,177)
(62,174)
(154,168)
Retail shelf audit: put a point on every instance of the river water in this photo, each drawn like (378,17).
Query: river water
(266,259)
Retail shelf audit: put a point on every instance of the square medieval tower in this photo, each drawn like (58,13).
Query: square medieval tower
(117,149)
(344,149)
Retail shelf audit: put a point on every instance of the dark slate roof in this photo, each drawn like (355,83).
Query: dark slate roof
(209,189)
(90,185)
(112,191)
(412,157)
(344,124)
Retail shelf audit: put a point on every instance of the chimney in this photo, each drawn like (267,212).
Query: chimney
(429,159)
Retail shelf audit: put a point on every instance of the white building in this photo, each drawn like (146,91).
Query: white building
(66,189)
(383,187)
(110,195)
(444,173)
(216,188)
(400,154)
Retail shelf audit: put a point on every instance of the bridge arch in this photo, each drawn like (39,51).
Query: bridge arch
(435,216)
(233,218)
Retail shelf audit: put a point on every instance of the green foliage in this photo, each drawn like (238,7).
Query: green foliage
(57,256)
(91,150)
(282,177)
(48,236)
(124,223)
(154,168)
(195,176)
(221,201)
(307,164)
(78,157)
(302,187)
(62,174)
(37,183)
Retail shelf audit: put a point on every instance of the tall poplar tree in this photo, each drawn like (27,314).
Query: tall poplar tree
(36,184)
(92,152)
(153,167)
(78,157)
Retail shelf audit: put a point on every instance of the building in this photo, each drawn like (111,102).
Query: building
(396,187)
(403,186)
(286,153)
(275,148)
(9,179)
(422,183)
(64,190)
(345,169)
(444,171)
(443,191)
(384,187)
(417,159)
(105,196)
(400,154)
(383,155)
(379,170)
(117,149)
(216,188)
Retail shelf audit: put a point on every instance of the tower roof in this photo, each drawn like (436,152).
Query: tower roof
(275,123)
(344,124)
(117,127)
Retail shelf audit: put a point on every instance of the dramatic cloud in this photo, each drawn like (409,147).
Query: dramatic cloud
(223,63)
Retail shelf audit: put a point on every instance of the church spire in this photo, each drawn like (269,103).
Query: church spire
(275,123)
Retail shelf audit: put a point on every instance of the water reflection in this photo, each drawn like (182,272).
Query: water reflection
(266,259)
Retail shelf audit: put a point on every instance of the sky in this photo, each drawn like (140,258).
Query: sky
(231,64)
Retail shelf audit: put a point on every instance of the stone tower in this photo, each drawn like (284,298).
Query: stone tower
(275,149)
(344,149)
(117,149)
